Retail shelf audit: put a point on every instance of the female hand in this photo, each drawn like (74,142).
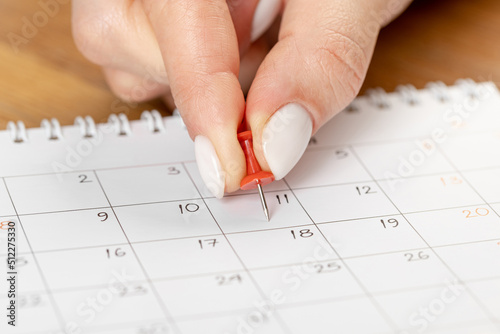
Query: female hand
(202,52)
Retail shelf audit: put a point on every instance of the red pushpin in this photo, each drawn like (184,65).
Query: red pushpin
(256,177)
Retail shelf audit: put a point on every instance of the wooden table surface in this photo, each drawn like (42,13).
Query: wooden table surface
(47,77)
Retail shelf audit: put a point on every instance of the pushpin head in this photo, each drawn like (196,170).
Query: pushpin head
(255,175)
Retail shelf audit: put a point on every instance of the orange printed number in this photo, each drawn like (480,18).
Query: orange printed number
(479,212)
(449,180)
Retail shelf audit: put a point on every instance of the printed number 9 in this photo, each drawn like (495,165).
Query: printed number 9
(103,215)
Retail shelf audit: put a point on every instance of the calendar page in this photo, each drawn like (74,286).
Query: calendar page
(388,224)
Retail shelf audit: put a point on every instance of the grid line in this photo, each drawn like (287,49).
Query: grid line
(55,307)
(162,305)
(367,292)
(254,282)
(481,305)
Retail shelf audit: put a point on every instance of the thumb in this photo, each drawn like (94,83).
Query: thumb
(313,72)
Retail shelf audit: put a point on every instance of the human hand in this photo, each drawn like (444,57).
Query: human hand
(201,53)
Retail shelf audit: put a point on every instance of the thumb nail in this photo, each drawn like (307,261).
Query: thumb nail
(264,15)
(209,166)
(285,138)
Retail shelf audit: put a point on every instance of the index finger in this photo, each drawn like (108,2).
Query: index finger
(200,49)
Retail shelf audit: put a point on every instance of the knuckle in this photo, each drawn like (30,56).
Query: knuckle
(92,33)
(343,64)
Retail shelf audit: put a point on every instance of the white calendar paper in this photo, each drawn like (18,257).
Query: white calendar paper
(388,224)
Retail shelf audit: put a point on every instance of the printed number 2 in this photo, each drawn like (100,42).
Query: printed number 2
(83,178)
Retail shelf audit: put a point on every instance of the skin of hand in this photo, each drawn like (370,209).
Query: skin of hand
(203,54)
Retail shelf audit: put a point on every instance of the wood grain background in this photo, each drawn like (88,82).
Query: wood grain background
(47,77)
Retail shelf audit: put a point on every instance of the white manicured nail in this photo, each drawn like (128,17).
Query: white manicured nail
(285,138)
(209,166)
(264,15)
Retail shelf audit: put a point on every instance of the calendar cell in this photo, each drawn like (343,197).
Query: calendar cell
(6,208)
(22,246)
(430,192)
(287,246)
(308,282)
(112,265)
(479,150)
(35,314)
(429,309)
(163,183)
(471,261)
(83,228)
(192,168)
(28,276)
(244,213)
(333,203)
(356,315)
(330,166)
(56,192)
(255,322)
(402,270)
(191,256)
(458,225)
(208,294)
(110,305)
(486,182)
(403,159)
(166,220)
(488,294)
(372,236)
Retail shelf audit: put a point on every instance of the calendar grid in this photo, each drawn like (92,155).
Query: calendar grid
(168,316)
(487,311)
(340,256)
(295,304)
(490,316)
(47,291)
(254,282)
(309,149)
(467,181)
(268,267)
(377,306)
(384,292)
(270,192)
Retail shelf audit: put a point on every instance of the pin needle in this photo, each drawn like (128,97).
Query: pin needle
(256,177)
(263,201)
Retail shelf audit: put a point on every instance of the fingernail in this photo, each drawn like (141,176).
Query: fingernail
(285,138)
(265,13)
(209,166)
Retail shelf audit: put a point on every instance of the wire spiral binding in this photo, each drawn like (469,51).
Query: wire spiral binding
(87,126)
(439,90)
(155,124)
(378,97)
(409,94)
(17,132)
(153,120)
(52,128)
(121,124)
(469,87)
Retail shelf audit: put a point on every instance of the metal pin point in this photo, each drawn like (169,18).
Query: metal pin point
(256,177)
(263,201)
